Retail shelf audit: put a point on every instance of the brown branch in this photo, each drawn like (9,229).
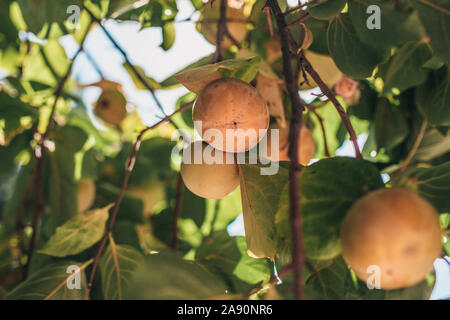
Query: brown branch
(127,60)
(298,252)
(323,87)
(221,29)
(36,179)
(129,169)
(322,127)
(177,211)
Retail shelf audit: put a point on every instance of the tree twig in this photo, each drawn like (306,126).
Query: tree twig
(127,60)
(221,30)
(298,252)
(36,179)
(177,211)
(323,87)
(129,169)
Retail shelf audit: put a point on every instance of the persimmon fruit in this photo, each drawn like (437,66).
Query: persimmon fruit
(395,230)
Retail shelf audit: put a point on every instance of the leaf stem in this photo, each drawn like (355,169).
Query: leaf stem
(323,87)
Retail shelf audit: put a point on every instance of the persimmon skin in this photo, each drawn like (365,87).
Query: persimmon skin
(111,107)
(396,230)
(231,106)
(306,143)
(210,181)
(86,194)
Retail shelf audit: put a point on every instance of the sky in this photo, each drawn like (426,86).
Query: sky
(143,50)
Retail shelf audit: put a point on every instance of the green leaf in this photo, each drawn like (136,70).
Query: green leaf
(331,283)
(227,258)
(260,199)
(168,34)
(11,111)
(43,12)
(153,163)
(62,185)
(329,188)
(319,31)
(50,283)
(326,9)
(431,183)
(193,207)
(353,57)
(10,208)
(336,282)
(390,125)
(137,82)
(421,291)
(117,265)
(196,79)
(435,16)
(433,145)
(166,276)
(398,23)
(404,69)
(433,97)
(131,208)
(77,234)
(10,154)
(171,82)
(244,69)
(221,212)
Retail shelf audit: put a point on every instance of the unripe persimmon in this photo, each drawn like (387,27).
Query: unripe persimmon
(86,194)
(395,230)
(233,107)
(206,178)
(306,150)
(111,107)
(236,26)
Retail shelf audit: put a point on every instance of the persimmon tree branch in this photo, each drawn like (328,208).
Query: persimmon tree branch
(129,168)
(127,60)
(325,90)
(37,174)
(221,30)
(298,252)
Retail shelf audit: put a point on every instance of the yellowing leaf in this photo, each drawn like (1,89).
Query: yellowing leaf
(77,234)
